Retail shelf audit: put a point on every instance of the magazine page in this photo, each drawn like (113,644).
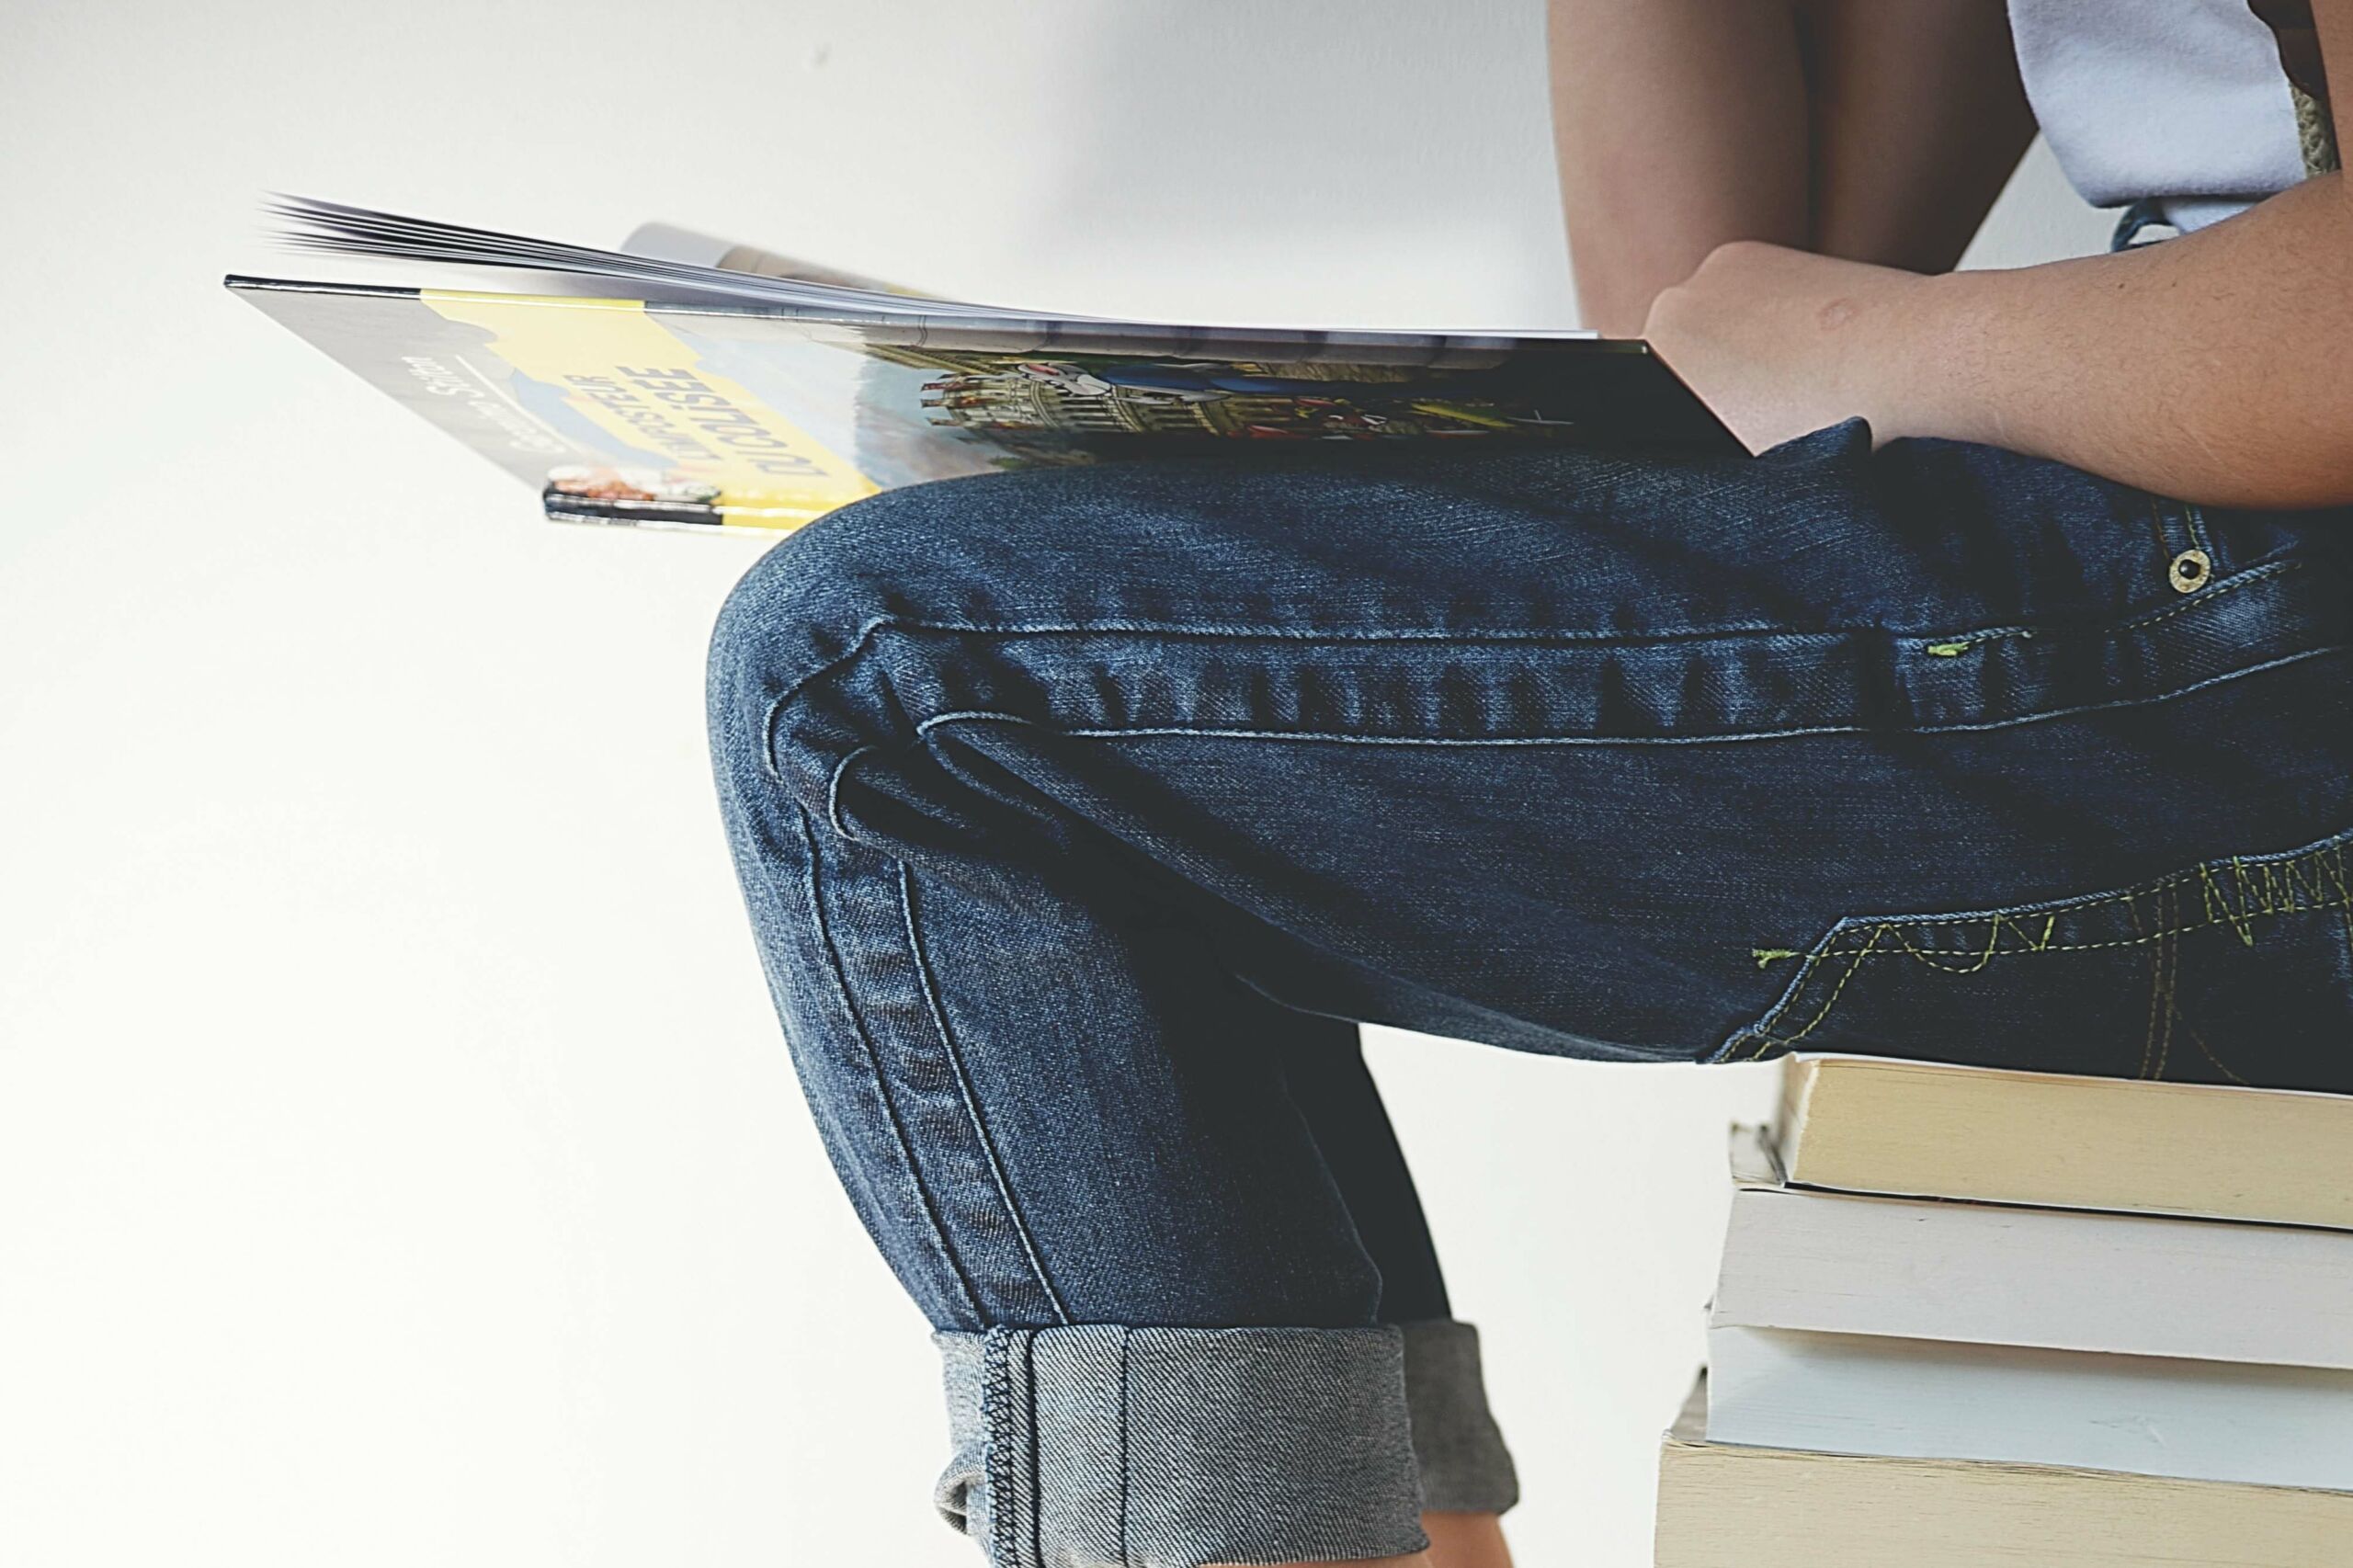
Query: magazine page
(667,242)
(661,264)
(331,228)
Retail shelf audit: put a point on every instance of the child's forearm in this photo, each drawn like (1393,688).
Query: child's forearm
(2216,367)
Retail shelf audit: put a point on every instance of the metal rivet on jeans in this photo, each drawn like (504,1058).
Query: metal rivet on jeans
(2190,571)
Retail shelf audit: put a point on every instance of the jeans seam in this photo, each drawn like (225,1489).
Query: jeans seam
(1211,631)
(2258,878)
(834,791)
(2200,600)
(2161,522)
(867,634)
(981,1135)
(1961,641)
(2169,981)
(1124,1337)
(1198,631)
(1281,1444)
(881,1080)
(2198,539)
(1335,737)
(2167,937)
(2267,887)
(997,1396)
(1730,737)
(1947,643)
(2156,985)
(1035,1458)
(870,629)
(1766,1040)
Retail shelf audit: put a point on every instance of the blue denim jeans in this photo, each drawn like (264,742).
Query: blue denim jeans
(1082,813)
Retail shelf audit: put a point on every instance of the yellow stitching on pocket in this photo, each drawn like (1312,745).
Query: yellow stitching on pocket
(2169,969)
(1835,992)
(2148,1040)
(2219,1065)
(2305,882)
(2310,883)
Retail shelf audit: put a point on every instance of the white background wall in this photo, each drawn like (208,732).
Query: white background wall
(398,1162)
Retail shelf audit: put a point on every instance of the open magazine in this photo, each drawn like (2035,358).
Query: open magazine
(681,381)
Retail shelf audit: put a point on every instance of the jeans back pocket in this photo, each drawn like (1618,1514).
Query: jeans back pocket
(2234,970)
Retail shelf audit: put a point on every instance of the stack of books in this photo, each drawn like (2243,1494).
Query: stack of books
(1970,1317)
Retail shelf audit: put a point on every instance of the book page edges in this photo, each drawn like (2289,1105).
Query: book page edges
(1788,1131)
(1891,1126)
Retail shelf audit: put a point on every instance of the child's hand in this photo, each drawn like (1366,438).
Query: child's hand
(1780,342)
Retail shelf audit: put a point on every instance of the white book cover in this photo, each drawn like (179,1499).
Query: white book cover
(1932,1399)
(2058,1280)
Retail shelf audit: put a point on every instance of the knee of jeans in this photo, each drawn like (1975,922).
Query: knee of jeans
(801,623)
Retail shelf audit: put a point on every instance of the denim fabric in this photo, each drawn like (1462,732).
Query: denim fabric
(1458,1448)
(1078,813)
(1089,1436)
(1171,1446)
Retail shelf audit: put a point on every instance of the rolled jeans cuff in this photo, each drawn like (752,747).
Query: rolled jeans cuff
(1465,1468)
(1099,1446)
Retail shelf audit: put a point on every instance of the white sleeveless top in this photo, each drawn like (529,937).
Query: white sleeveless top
(2180,100)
